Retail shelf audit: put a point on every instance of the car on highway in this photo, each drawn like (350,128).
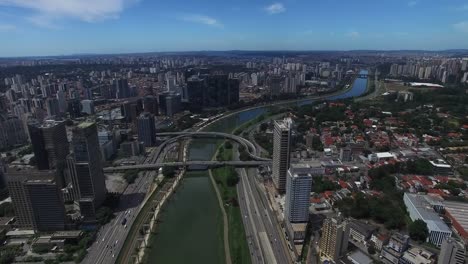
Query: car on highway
(124,221)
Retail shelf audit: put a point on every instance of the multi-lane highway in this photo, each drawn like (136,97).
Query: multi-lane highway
(111,236)
(266,244)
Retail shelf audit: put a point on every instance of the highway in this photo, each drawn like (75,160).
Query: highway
(260,218)
(111,236)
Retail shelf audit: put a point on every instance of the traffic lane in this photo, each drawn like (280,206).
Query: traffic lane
(282,251)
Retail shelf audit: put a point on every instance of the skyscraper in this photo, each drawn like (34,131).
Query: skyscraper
(275,85)
(452,252)
(150,104)
(37,199)
(121,88)
(281,152)
(195,93)
(146,129)
(298,187)
(50,146)
(85,169)
(233,91)
(334,239)
(87,107)
(52,107)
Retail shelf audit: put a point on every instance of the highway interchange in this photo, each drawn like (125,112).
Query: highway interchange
(266,243)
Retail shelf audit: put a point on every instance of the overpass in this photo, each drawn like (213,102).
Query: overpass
(249,146)
(209,163)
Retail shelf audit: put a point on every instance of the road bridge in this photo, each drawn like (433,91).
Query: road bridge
(249,146)
(209,163)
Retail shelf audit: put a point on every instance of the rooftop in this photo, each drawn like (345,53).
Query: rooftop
(459,211)
(85,124)
(423,204)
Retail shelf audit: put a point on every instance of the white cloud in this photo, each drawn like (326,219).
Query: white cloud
(7,28)
(275,8)
(46,12)
(412,3)
(201,19)
(353,34)
(461,26)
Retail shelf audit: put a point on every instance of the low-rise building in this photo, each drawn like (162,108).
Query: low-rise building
(457,212)
(360,231)
(379,240)
(419,208)
(416,255)
(440,167)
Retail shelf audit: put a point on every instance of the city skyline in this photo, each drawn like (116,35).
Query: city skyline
(52,27)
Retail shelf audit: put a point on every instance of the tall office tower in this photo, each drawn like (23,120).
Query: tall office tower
(50,145)
(87,107)
(150,104)
(173,104)
(195,93)
(146,129)
(37,199)
(62,102)
(74,108)
(334,240)
(233,91)
(281,152)
(121,88)
(13,132)
(275,84)
(217,90)
(452,252)
(85,169)
(171,83)
(298,187)
(52,106)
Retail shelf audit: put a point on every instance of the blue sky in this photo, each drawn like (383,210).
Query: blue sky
(56,27)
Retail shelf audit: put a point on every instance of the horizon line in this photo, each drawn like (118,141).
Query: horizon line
(460,50)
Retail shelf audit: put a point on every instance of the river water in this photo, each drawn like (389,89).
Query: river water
(191,225)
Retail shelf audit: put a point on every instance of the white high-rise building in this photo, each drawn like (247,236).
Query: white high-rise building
(254,78)
(452,252)
(281,152)
(464,65)
(465,77)
(298,187)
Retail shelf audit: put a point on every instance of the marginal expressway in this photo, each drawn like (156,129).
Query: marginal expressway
(111,236)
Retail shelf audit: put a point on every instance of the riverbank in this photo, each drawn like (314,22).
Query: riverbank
(224,181)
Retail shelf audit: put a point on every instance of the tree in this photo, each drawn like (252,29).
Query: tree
(371,250)
(232,177)
(104,215)
(263,127)
(228,145)
(168,171)
(418,230)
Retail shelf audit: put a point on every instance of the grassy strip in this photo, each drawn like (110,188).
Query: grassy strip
(139,221)
(237,239)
